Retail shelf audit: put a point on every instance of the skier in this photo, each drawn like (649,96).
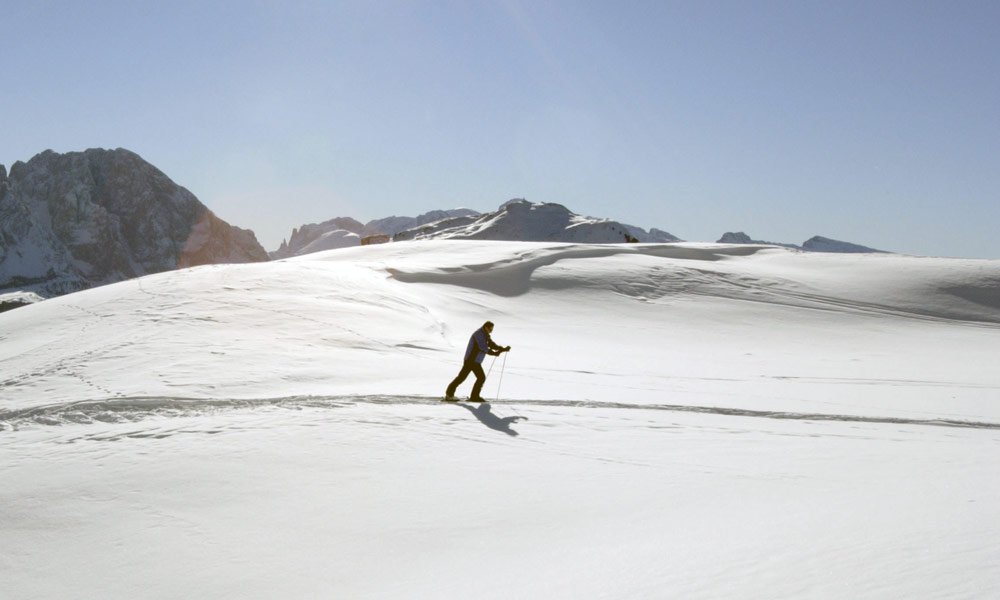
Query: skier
(480,344)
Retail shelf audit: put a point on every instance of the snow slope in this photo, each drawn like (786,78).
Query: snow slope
(674,420)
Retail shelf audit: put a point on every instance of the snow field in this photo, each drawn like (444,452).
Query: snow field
(422,501)
(683,420)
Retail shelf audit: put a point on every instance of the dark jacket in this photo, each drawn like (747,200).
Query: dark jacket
(480,344)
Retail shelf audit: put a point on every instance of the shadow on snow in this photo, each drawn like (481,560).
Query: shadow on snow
(485,415)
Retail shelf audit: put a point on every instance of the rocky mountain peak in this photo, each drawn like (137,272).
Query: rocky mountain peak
(71,221)
(737,237)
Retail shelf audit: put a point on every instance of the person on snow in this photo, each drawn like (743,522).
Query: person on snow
(480,344)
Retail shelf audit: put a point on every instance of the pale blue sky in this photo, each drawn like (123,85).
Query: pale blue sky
(874,122)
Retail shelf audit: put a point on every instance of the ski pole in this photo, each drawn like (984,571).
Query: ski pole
(502,367)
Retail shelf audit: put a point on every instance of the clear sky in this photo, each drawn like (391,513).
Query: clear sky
(875,122)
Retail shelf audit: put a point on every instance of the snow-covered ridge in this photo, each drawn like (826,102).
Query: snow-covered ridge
(520,220)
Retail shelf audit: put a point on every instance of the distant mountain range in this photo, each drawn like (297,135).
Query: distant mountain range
(521,220)
(81,219)
(813,244)
(517,220)
(343,232)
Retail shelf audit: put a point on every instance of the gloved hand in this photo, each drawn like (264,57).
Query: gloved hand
(507,349)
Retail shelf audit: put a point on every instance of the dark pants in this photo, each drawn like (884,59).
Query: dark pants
(470,366)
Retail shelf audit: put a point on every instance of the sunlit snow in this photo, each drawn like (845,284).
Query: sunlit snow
(673,421)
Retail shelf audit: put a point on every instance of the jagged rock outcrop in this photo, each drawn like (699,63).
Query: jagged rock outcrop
(740,237)
(76,220)
(653,236)
(3,182)
(344,232)
(737,237)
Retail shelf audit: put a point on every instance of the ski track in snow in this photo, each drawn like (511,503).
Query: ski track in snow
(123,410)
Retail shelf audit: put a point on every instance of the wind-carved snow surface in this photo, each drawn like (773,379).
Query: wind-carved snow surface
(673,421)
